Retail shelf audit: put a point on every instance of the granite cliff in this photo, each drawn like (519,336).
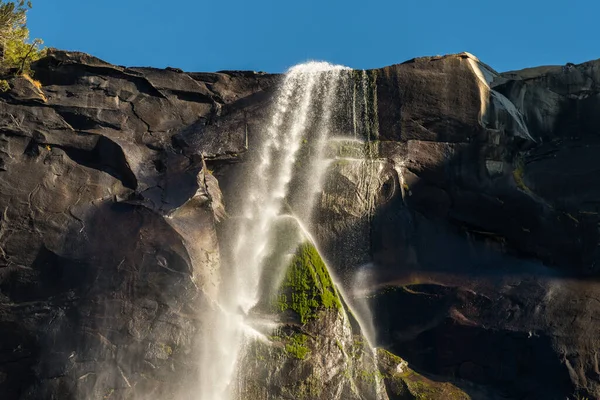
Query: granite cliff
(479,224)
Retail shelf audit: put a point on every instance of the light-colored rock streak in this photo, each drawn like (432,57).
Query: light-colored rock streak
(521,130)
(485,78)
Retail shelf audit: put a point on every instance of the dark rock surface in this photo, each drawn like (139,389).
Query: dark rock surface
(108,247)
(485,258)
(480,225)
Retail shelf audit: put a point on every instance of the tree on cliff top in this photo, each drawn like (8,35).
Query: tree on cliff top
(16,52)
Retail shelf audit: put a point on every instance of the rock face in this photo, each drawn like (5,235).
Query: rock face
(485,255)
(108,241)
(474,203)
(318,351)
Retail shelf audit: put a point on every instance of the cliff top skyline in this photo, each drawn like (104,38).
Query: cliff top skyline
(272,36)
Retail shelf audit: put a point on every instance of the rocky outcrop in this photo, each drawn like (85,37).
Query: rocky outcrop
(403,383)
(467,219)
(108,246)
(484,256)
(318,350)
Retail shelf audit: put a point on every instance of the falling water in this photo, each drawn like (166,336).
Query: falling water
(269,188)
(303,106)
(356,158)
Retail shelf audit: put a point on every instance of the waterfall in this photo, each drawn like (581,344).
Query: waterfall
(301,121)
(267,191)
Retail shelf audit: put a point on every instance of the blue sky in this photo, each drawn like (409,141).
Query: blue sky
(269,35)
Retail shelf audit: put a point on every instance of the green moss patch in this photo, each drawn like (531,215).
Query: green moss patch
(519,176)
(296,346)
(307,286)
(403,382)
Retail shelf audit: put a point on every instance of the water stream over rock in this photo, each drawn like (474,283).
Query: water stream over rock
(274,272)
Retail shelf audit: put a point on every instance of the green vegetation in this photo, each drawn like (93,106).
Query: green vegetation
(407,383)
(391,357)
(309,388)
(290,344)
(289,348)
(339,345)
(260,352)
(16,50)
(296,347)
(519,176)
(168,350)
(307,286)
(357,349)
(371,377)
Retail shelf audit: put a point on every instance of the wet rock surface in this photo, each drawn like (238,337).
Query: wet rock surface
(475,208)
(484,260)
(318,350)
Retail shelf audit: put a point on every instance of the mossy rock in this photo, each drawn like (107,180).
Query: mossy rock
(307,287)
(281,369)
(404,383)
(312,354)
(296,346)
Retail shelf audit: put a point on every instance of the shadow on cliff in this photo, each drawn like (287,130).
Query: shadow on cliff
(123,296)
(464,272)
(463,277)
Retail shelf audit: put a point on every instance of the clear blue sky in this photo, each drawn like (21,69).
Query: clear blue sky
(269,35)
